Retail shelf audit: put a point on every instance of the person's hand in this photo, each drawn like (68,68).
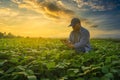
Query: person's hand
(64,41)
(67,43)
(70,45)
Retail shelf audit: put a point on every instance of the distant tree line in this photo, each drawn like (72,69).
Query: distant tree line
(8,35)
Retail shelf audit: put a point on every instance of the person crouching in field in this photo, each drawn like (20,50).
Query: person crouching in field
(79,37)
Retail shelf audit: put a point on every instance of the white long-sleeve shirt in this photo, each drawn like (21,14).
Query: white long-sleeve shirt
(80,39)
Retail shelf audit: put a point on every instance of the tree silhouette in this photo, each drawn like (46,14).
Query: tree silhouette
(9,35)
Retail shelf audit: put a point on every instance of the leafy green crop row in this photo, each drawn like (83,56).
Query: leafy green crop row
(49,59)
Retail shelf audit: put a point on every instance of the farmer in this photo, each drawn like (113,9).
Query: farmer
(79,37)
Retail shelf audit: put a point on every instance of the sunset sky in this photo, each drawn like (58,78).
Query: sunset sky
(50,18)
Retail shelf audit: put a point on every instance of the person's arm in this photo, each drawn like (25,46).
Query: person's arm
(70,44)
(83,41)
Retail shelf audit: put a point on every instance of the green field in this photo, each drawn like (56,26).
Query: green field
(49,59)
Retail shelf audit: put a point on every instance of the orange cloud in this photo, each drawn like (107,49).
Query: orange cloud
(7,12)
(52,9)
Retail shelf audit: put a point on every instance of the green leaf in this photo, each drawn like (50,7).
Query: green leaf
(85,68)
(1,71)
(113,70)
(104,78)
(10,70)
(15,77)
(2,62)
(64,78)
(105,69)
(94,78)
(80,79)
(22,68)
(44,79)
(109,75)
(108,60)
(14,60)
(29,72)
(76,70)
(19,73)
(62,64)
(32,77)
(72,72)
(50,65)
(115,62)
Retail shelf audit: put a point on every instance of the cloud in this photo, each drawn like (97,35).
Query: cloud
(88,23)
(7,12)
(49,8)
(95,33)
(109,34)
(16,1)
(97,5)
(94,26)
(7,15)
